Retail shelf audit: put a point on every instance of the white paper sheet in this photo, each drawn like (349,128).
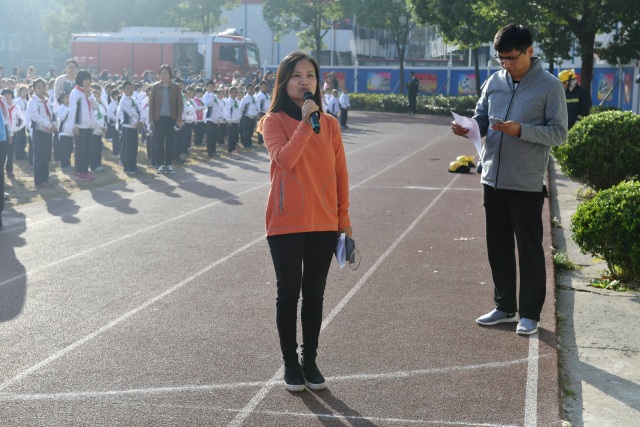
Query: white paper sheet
(474,130)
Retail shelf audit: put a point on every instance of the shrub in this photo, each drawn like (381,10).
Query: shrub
(602,149)
(608,226)
(395,103)
(600,108)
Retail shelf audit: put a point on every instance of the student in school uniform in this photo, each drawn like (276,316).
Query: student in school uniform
(210,100)
(99,130)
(5,140)
(41,113)
(65,132)
(20,139)
(17,122)
(264,102)
(189,117)
(222,117)
(333,107)
(82,106)
(249,109)
(199,126)
(232,109)
(130,121)
(345,105)
(113,132)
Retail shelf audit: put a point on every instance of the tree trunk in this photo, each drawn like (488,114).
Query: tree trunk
(586,45)
(401,53)
(476,65)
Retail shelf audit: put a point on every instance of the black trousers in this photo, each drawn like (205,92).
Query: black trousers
(42,142)
(344,115)
(83,150)
(233,136)
(301,262)
(516,214)
(248,125)
(129,148)
(412,102)
(186,136)
(199,129)
(95,151)
(11,149)
(113,133)
(20,139)
(212,137)
(66,148)
(164,134)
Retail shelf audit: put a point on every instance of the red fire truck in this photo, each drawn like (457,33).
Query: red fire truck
(137,49)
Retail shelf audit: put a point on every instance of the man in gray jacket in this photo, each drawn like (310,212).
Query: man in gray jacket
(522,111)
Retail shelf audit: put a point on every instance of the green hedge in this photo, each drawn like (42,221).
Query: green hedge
(608,226)
(602,149)
(395,103)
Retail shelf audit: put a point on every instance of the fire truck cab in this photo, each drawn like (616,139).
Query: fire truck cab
(137,49)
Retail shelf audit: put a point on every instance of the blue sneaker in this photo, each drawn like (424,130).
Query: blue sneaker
(496,316)
(527,327)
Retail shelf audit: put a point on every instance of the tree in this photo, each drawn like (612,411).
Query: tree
(199,15)
(392,15)
(460,22)
(311,19)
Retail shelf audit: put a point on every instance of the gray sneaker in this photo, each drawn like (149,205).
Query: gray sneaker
(527,327)
(496,316)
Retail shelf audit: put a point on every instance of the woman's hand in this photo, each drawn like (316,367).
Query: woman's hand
(458,130)
(346,230)
(308,107)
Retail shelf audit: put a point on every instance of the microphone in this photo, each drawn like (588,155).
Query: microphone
(315,116)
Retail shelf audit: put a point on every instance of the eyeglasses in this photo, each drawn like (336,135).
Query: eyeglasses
(502,59)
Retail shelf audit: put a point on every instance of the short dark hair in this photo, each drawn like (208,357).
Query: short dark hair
(210,82)
(511,37)
(71,61)
(82,76)
(38,80)
(413,73)
(126,83)
(7,92)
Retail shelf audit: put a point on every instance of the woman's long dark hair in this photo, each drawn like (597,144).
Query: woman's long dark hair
(283,75)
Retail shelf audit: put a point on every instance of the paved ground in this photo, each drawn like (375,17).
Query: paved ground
(599,331)
(151,301)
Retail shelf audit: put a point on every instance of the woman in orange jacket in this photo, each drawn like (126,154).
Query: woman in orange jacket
(308,207)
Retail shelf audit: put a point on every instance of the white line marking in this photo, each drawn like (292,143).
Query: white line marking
(253,403)
(80,342)
(229,386)
(531,395)
(126,236)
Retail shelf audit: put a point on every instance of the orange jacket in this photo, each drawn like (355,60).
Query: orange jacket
(309,179)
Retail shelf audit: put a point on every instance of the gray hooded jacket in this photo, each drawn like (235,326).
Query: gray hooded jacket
(538,104)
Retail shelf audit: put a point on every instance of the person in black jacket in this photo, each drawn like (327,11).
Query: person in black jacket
(578,100)
(412,86)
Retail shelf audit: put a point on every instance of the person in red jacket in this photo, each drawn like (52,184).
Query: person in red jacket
(308,207)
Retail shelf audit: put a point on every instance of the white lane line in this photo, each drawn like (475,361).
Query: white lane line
(230,386)
(531,394)
(115,322)
(126,236)
(253,403)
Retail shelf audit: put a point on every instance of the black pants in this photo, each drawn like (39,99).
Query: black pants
(516,214)
(129,148)
(95,151)
(11,149)
(42,142)
(186,136)
(66,148)
(20,139)
(165,139)
(83,150)
(412,102)
(233,136)
(212,138)
(199,130)
(56,147)
(3,157)
(113,133)
(248,127)
(301,262)
(343,117)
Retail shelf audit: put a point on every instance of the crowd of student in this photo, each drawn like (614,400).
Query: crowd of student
(74,113)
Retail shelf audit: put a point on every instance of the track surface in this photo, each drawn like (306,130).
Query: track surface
(152,301)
